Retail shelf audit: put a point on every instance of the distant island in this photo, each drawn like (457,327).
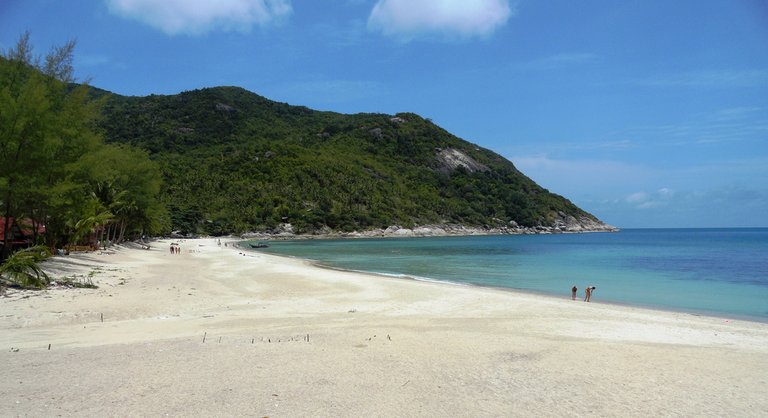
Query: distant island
(235,162)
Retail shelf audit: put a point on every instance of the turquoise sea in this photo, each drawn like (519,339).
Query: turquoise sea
(722,272)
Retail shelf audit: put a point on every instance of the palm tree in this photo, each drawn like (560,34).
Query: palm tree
(86,225)
(110,199)
(127,211)
(22,268)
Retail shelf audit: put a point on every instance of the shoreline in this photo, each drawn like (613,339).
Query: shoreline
(531,292)
(661,308)
(285,231)
(227,331)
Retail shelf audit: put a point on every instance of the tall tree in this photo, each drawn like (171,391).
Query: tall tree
(45,125)
(127,184)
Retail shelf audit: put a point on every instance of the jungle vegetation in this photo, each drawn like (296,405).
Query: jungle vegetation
(225,160)
(233,161)
(55,169)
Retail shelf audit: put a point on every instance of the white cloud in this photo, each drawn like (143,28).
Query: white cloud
(709,79)
(584,177)
(638,197)
(410,18)
(726,193)
(558,61)
(199,16)
(644,200)
(738,112)
(91,60)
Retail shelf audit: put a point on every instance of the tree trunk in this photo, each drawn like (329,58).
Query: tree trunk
(122,230)
(35,225)
(6,250)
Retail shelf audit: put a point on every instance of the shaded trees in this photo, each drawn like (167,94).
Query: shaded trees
(52,158)
(45,124)
(124,184)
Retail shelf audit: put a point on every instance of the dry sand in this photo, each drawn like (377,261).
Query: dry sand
(217,332)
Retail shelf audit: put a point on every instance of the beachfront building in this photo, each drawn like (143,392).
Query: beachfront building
(21,233)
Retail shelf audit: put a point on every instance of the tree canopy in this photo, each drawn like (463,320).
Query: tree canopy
(52,156)
(90,164)
(234,161)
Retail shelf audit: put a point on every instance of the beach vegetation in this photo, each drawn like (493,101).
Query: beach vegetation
(53,158)
(76,281)
(22,268)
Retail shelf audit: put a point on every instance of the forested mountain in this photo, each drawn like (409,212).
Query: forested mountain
(234,161)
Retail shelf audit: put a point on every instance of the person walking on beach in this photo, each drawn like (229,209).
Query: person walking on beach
(588,293)
(574,289)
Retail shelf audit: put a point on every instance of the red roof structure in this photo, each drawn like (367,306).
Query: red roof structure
(21,231)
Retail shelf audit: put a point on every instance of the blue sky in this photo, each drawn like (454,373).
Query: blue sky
(644,113)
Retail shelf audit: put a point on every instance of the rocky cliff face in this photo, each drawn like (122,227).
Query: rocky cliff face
(568,223)
(450,159)
(564,225)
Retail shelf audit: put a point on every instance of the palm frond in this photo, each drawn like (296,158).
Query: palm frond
(22,268)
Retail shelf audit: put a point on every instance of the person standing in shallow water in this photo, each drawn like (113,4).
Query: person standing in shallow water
(588,293)
(574,289)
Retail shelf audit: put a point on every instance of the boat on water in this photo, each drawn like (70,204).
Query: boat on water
(259,245)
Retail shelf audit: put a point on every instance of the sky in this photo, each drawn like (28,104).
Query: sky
(645,113)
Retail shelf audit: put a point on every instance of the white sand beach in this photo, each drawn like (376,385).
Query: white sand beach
(215,331)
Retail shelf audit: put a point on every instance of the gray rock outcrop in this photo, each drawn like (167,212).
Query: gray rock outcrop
(450,159)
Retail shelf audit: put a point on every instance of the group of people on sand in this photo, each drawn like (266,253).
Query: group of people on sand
(587,292)
(175,248)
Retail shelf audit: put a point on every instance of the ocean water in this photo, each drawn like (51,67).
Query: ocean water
(721,272)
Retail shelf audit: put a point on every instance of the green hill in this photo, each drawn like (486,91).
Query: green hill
(234,161)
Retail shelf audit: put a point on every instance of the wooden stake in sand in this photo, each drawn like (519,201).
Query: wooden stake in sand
(102,317)
(49,347)
(204,336)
